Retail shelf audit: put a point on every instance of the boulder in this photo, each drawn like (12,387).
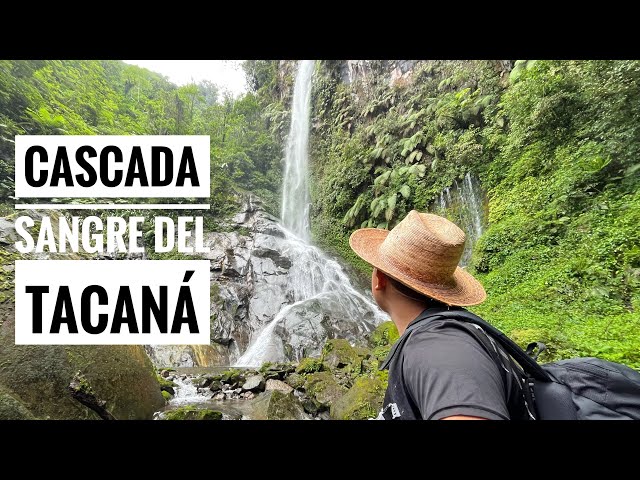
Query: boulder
(215,385)
(203,382)
(276,370)
(255,383)
(13,409)
(39,376)
(278,385)
(277,405)
(338,353)
(295,380)
(324,389)
(8,235)
(192,413)
(362,401)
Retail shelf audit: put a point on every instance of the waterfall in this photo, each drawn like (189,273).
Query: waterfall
(321,294)
(295,190)
(463,204)
(470,193)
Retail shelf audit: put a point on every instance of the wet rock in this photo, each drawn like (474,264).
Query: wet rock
(219,396)
(279,260)
(204,382)
(324,389)
(169,390)
(278,385)
(362,401)
(309,405)
(232,377)
(255,383)
(222,341)
(324,415)
(277,370)
(165,373)
(277,405)
(215,385)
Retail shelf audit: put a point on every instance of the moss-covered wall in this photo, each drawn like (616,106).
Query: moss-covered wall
(555,145)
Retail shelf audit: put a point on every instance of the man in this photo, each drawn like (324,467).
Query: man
(438,369)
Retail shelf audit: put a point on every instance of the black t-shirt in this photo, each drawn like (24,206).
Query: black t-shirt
(439,368)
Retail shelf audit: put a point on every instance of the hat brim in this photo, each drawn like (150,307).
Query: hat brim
(465,290)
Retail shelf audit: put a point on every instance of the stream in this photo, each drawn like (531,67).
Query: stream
(188,394)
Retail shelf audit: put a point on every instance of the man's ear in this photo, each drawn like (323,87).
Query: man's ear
(381,280)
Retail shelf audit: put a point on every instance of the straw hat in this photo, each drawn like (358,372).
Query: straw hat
(421,252)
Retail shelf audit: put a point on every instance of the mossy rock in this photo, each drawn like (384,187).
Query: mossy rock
(164,383)
(166,395)
(338,353)
(13,409)
(39,376)
(380,353)
(277,405)
(192,413)
(323,388)
(276,371)
(370,365)
(309,365)
(232,376)
(363,400)
(385,334)
(295,380)
(363,352)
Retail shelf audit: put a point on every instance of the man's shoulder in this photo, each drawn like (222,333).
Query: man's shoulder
(441,330)
(443,341)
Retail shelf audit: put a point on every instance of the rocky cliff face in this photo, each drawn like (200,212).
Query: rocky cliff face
(255,273)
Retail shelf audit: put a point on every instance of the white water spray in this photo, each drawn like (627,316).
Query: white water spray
(320,289)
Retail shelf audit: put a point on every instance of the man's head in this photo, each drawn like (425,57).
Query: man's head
(417,261)
(388,292)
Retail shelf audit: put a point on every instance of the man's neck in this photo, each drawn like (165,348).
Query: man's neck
(406,313)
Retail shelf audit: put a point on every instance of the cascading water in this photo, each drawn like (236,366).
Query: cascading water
(469,192)
(322,299)
(295,188)
(463,205)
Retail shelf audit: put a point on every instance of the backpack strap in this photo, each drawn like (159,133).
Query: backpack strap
(528,364)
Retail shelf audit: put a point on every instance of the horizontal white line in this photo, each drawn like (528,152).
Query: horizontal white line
(113,206)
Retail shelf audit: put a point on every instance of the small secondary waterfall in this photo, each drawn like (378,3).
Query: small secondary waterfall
(321,294)
(463,204)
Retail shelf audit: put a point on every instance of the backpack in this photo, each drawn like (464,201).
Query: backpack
(583,388)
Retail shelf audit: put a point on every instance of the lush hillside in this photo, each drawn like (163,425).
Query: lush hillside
(555,145)
(113,98)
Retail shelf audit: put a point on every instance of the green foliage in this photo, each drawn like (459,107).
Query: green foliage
(384,335)
(556,148)
(309,365)
(363,400)
(90,97)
